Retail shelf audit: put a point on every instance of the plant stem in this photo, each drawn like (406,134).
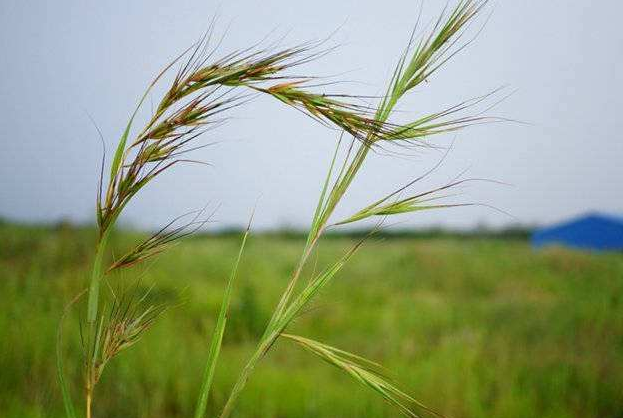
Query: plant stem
(92,309)
(291,285)
(89,398)
(93,297)
(262,348)
(273,328)
(272,332)
(319,224)
(344,182)
(96,278)
(217,336)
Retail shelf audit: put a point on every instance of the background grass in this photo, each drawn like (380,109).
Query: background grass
(473,327)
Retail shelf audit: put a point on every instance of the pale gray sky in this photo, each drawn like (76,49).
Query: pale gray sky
(63,59)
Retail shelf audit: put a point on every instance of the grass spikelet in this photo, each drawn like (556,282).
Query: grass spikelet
(365,372)
(415,203)
(160,241)
(128,318)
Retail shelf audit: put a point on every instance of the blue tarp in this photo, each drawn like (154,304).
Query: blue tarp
(592,232)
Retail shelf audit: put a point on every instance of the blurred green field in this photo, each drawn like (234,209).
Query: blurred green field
(473,327)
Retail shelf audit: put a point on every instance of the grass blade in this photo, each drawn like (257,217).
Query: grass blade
(217,336)
(279,323)
(96,277)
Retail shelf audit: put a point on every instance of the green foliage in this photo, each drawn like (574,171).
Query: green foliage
(477,328)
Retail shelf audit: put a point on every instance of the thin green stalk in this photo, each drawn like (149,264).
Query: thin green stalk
(315,228)
(96,277)
(342,184)
(269,337)
(313,236)
(217,337)
(285,297)
(92,310)
(279,324)
(262,348)
(276,323)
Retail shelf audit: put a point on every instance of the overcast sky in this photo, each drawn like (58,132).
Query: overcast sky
(63,60)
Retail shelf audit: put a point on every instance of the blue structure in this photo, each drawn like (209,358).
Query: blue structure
(590,232)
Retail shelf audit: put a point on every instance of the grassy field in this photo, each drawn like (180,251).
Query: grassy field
(472,327)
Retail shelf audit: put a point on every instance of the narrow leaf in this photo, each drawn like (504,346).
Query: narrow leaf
(217,336)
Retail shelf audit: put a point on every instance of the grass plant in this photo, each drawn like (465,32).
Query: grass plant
(201,93)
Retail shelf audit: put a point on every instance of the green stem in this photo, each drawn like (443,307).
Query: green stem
(343,183)
(92,309)
(273,328)
(270,335)
(246,372)
(96,278)
(217,336)
(309,248)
